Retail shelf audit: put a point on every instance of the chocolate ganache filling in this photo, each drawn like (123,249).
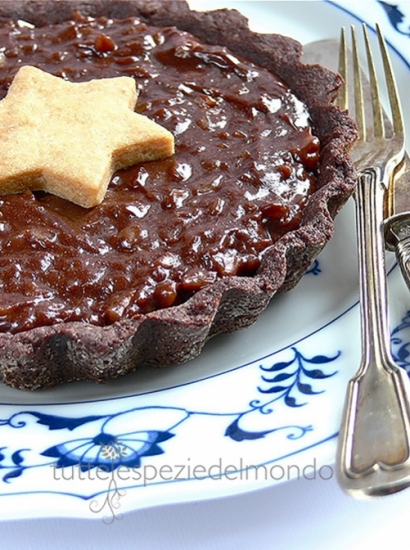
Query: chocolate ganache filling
(244,168)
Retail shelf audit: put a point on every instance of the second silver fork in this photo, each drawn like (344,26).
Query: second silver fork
(374,441)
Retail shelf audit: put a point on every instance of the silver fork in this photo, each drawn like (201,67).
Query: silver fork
(373,455)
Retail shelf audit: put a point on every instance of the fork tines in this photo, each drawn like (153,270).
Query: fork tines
(380,122)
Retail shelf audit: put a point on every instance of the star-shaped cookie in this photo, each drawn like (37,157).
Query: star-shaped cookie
(69,138)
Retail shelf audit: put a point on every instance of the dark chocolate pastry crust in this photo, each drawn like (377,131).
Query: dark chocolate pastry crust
(51,355)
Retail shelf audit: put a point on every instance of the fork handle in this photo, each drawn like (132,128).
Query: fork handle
(374,442)
(374,455)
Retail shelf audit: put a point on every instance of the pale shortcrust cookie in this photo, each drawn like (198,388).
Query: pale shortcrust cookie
(69,138)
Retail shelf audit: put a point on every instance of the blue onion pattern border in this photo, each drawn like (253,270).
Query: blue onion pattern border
(290,383)
(395,16)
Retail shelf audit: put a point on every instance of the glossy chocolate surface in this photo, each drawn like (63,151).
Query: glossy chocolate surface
(244,167)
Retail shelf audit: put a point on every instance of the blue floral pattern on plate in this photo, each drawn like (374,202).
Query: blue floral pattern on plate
(108,450)
(290,382)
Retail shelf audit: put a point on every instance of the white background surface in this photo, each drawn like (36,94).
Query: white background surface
(301,514)
(306,514)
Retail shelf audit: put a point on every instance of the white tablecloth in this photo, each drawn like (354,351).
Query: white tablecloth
(302,514)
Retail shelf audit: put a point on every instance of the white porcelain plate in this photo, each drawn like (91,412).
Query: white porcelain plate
(258,407)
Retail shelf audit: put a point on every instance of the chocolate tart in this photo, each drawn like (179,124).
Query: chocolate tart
(174,327)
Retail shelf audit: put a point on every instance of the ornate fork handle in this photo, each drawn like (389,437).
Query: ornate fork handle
(399,237)
(376,459)
(403,256)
